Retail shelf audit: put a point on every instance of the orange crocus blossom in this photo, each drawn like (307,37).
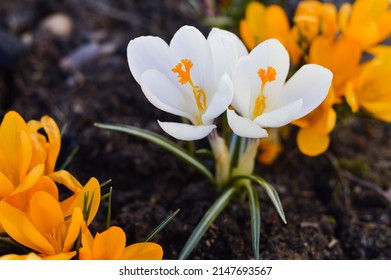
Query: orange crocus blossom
(367,22)
(370,90)
(86,198)
(43,228)
(25,154)
(271,22)
(110,245)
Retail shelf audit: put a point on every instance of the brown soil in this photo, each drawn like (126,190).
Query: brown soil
(335,204)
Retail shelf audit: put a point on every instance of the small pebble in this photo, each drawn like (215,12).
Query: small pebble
(59,24)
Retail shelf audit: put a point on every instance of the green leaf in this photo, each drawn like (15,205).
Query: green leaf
(105,183)
(108,218)
(161,226)
(213,212)
(270,190)
(163,142)
(255,211)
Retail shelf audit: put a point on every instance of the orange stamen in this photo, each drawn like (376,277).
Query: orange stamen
(266,76)
(183,74)
(182,69)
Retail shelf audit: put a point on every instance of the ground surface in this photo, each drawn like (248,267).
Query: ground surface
(335,204)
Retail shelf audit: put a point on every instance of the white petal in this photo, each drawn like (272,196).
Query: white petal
(240,47)
(186,132)
(189,43)
(244,127)
(280,116)
(269,53)
(242,89)
(165,96)
(221,100)
(310,83)
(226,49)
(147,52)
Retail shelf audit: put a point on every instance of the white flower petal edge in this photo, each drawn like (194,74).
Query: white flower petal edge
(164,95)
(244,127)
(221,100)
(226,50)
(310,83)
(147,52)
(280,116)
(186,132)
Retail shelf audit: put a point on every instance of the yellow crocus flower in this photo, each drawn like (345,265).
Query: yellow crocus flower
(110,245)
(369,90)
(313,18)
(262,23)
(43,228)
(367,22)
(25,154)
(86,198)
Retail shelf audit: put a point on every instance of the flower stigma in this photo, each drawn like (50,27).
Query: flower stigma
(182,69)
(266,76)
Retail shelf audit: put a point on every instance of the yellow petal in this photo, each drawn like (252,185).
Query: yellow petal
(21,200)
(65,178)
(247,36)
(38,143)
(61,256)
(6,187)
(269,151)
(343,16)
(47,185)
(87,241)
(12,159)
(30,179)
(363,24)
(45,212)
(25,155)
(276,22)
(109,245)
(312,143)
(143,251)
(255,18)
(19,227)
(30,256)
(351,98)
(341,56)
(384,26)
(74,229)
(92,191)
(54,136)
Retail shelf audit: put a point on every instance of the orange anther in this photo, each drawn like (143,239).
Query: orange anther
(183,74)
(182,69)
(267,76)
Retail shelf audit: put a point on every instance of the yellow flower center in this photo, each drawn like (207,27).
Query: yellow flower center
(55,238)
(266,76)
(182,69)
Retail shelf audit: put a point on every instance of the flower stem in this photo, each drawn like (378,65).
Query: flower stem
(222,158)
(246,160)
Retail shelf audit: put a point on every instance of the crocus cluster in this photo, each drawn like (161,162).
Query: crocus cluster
(32,214)
(200,78)
(346,41)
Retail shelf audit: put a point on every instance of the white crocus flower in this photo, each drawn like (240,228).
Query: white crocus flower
(185,78)
(262,98)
